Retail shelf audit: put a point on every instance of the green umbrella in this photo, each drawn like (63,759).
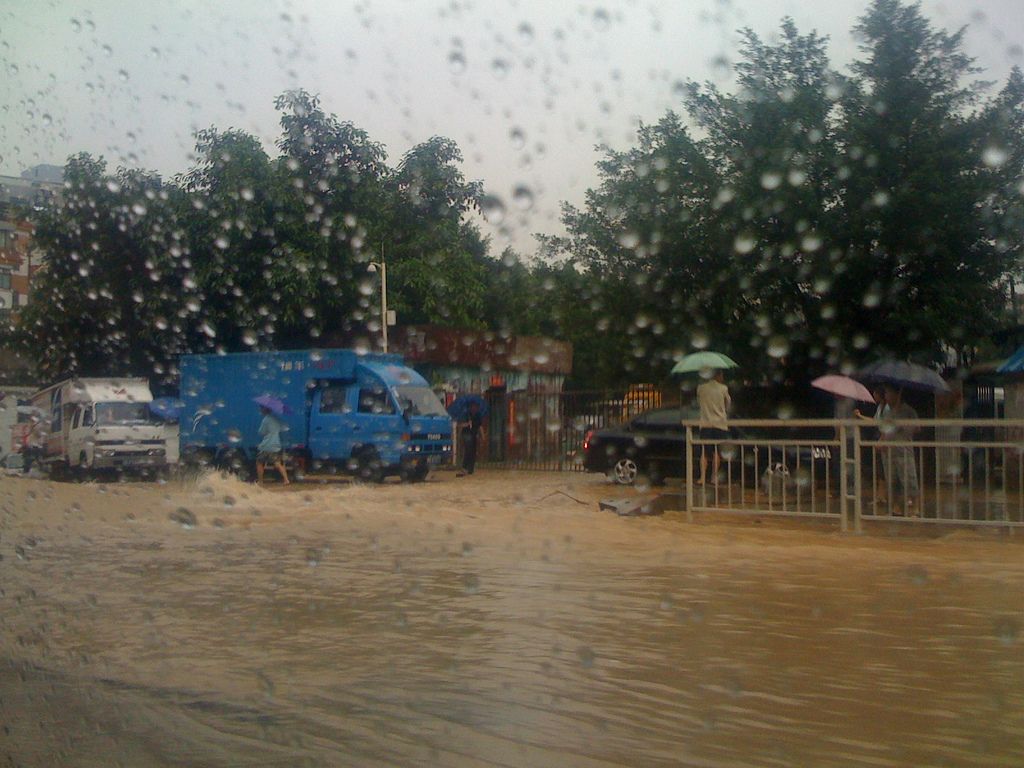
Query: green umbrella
(700,361)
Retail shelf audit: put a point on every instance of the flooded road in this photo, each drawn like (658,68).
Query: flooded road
(499,620)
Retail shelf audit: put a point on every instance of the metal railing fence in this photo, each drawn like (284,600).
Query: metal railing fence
(545,431)
(929,470)
(966,471)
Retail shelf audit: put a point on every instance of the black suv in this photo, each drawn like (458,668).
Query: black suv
(653,446)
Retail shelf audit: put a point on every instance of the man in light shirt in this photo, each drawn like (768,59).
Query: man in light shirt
(714,401)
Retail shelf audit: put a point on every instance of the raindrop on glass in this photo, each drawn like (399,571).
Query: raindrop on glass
(994,156)
(493,209)
(456,62)
(778,346)
(745,243)
(522,196)
(500,68)
(629,239)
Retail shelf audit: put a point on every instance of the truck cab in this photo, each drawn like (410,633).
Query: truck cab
(381,423)
(101,424)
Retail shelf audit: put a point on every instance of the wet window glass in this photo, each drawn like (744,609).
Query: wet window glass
(121,413)
(686,341)
(334,399)
(375,400)
(421,400)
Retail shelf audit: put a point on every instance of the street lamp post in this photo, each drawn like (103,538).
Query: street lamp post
(383,267)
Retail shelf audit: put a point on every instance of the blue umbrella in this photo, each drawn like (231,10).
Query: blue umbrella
(167,408)
(273,404)
(459,409)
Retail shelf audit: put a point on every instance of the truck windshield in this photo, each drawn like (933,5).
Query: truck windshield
(421,400)
(122,413)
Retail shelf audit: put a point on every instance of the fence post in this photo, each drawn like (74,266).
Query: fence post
(858,478)
(689,473)
(844,478)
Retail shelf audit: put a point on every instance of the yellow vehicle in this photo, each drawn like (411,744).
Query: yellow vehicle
(640,398)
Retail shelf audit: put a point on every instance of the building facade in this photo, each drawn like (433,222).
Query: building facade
(19,260)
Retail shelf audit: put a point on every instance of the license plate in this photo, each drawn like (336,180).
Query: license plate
(821,453)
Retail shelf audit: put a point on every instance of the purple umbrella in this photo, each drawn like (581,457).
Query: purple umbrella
(273,404)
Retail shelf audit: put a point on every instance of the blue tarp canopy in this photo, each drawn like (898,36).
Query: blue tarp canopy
(1014,363)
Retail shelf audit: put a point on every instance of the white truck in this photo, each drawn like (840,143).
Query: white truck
(101,424)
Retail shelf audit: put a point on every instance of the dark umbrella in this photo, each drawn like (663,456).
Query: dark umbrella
(459,409)
(167,408)
(900,373)
(273,404)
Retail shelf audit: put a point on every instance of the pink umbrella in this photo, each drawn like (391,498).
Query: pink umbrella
(843,386)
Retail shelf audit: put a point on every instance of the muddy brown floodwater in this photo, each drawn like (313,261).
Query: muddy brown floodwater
(490,621)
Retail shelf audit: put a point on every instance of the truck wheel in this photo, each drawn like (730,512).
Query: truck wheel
(414,473)
(238,464)
(57,471)
(82,470)
(368,466)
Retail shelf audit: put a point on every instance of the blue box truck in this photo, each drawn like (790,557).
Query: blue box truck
(368,414)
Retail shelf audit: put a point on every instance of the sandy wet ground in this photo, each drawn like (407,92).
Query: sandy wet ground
(494,620)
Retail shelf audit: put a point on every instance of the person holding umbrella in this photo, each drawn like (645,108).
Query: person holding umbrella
(269,450)
(468,411)
(902,462)
(470,434)
(878,395)
(714,401)
(848,393)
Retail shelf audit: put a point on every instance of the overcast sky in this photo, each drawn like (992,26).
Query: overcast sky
(526,88)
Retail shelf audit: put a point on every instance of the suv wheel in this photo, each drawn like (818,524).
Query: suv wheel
(625,471)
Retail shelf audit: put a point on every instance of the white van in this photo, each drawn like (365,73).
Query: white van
(101,424)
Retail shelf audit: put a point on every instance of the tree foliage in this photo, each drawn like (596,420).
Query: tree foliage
(809,220)
(248,251)
(803,221)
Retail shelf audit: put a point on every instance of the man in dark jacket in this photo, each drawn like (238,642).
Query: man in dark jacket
(470,436)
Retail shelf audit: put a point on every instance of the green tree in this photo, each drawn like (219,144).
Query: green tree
(773,147)
(248,246)
(1001,149)
(339,174)
(112,296)
(436,256)
(920,270)
(815,221)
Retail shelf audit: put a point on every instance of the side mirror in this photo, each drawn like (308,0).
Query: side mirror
(407,413)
